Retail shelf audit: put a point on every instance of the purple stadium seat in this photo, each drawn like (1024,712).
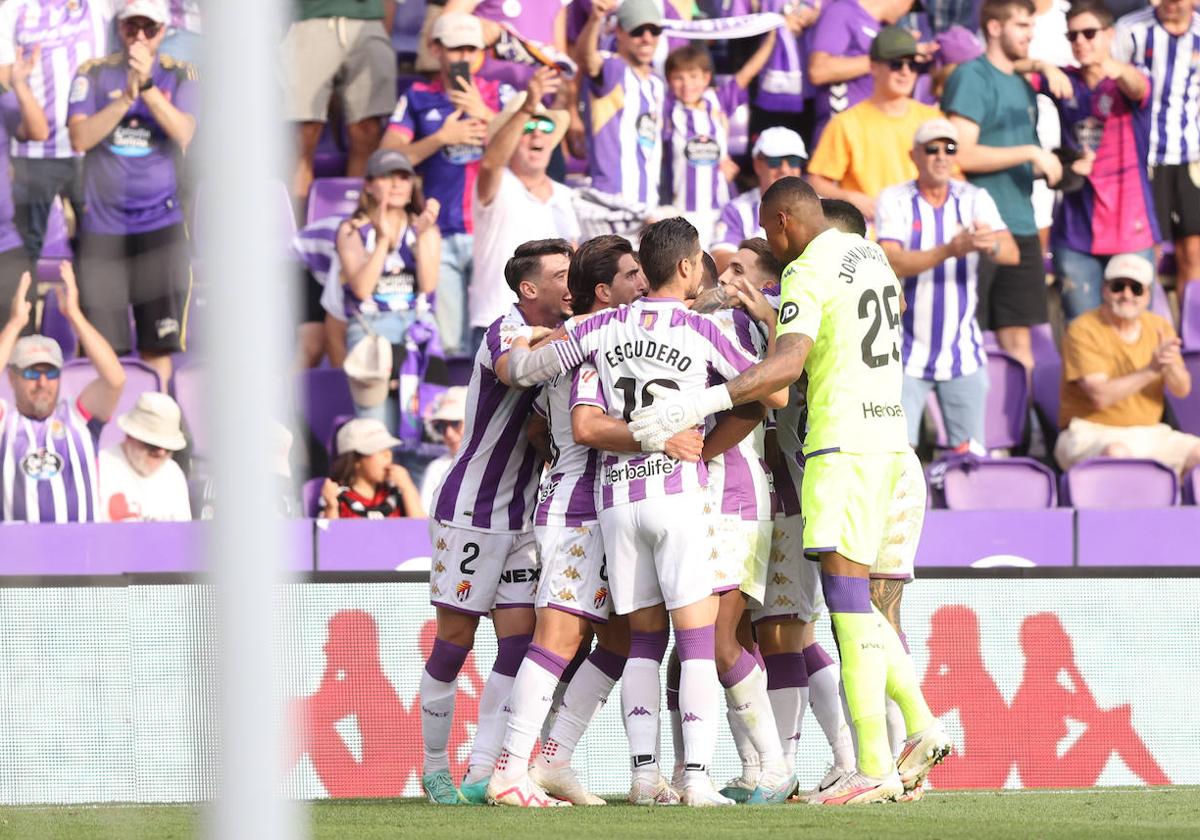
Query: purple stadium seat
(1041,336)
(139,378)
(54,325)
(1007,402)
(325,396)
(330,158)
(997,484)
(990,344)
(334,428)
(333,197)
(1047,382)
(56,246)
(459,369)
(1187,410)
(1191,487)
(1189,318)
(1159,304)
(310,496)
(188,387)
(1119,483)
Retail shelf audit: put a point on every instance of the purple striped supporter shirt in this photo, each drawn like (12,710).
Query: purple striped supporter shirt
(567,496)
(654,341)
(739,477)
(624,119)
(397,287)
(942,339)
(781,85)
(738,221)
(70,32)
(696,140)
(315,245)
(492,484)
(10,119)
(48,467)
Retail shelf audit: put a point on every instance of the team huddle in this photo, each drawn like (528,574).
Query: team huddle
(642,453)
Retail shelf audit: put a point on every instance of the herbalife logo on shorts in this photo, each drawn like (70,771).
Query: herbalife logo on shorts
(647,469)
(873,410)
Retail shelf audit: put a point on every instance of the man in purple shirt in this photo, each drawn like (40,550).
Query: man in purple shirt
(132,113)
(839,63)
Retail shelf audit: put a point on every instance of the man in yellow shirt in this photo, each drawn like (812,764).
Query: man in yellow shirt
(865,148)
(839,322)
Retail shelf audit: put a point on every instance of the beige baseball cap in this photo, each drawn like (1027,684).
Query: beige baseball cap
(35,350)
(155,419)
(368,367)
(457,29)
(365,436)
(156,10)
(935,129)
(1130,267)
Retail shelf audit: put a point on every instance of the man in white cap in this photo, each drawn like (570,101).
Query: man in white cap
(777,152)
(445,423)
(939,265)
(515,200)
(139,480)
(48,441)
(1118,361)
(441,125)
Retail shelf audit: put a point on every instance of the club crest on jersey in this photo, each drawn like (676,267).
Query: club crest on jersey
(600,598)
(41,465)
(788,313)
(57,430)
(463,591)
(649,319)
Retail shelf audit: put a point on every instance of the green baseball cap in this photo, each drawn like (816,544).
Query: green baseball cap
(893,42)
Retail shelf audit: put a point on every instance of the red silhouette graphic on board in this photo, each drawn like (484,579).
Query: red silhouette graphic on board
(354,684)
(1030,733)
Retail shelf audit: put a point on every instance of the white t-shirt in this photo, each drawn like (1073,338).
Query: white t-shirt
(515,216)
(126,496)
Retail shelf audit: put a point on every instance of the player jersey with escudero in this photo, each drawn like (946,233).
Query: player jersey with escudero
(842,293)
(493,481)
(654,341)
(567,495)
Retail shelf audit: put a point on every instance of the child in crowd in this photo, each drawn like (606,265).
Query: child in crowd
(696,131)
(364,483)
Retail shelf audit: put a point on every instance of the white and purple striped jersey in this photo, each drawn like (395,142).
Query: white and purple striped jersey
(624,119)
(567,495)
(69,32)
(1173,65)
(942,339)
(396,290)
(738,221)
(653,341)
(739,477)
(185,15)
(492,484)
(696,141)
(48,467)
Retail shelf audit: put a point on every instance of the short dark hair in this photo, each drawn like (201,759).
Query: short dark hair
(789,193)
(1097,8)
(594,262)
(767,263)
(1002,10)
(689,57)
(710,273)
(527,259)
(663,246)
(844,216)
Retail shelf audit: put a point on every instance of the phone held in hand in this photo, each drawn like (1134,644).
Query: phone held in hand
(459,70)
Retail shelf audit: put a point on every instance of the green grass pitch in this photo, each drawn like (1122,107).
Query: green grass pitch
(1118,813)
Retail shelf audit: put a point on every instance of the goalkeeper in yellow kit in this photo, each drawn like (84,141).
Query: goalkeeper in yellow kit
(839,321)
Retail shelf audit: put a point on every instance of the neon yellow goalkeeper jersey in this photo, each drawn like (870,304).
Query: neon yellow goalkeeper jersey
(842,293)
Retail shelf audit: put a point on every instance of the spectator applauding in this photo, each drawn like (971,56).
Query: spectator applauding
(51,38)
(1163,41)
(623,117)
(365,484)
(1117,360)
(338,45)
(1103,119)
(994,111)
(933,230)
(139,481)
(869,146)
(516,200)
(777,153)
(445,424)
(133,113)
(48,441)
(441,127)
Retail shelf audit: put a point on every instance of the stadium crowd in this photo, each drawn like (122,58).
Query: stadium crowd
(469,175)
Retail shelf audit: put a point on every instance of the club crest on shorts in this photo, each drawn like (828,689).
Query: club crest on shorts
(600,598)
(463,591)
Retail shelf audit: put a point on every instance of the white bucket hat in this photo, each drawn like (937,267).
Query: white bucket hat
(368,366)
(154,419)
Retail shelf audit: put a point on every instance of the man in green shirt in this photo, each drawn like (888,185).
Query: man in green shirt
(342,47)
(994,110)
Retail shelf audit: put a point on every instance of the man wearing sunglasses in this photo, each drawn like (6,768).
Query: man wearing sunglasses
(1118,361)
(49,442)
(133,114)
(866,148)
(934,230)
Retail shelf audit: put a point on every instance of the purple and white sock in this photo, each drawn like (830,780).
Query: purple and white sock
(494,707)
(699,703)
(746,695)
(532,694)
(825,695)
(585,696)
(787,688)
(640,699)
(439,683)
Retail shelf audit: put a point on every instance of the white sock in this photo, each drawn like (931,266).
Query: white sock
(699,705)
(437,716)
(741,741)
(532,695)
(897,732)
(493,717)
(586,694)
(640,710)
(560,691)
(748,700)
(788,707)
(824,693)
